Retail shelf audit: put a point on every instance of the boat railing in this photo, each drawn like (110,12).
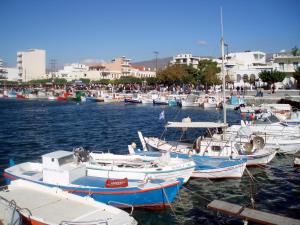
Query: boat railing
(121,203)
(12,204)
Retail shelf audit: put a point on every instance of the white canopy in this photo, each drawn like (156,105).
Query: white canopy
(195,125)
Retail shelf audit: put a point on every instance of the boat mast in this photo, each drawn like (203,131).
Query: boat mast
(222,69)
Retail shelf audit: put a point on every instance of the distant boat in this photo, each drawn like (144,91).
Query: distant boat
(133,100)
(59,170)
(46,205)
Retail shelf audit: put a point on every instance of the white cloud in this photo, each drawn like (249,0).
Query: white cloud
(201,42)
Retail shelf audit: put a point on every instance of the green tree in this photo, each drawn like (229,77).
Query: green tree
(151,80)
(128,80)
(85,80)
(295,51)
(297,77)
(271,77)
(209,72)
(172,74)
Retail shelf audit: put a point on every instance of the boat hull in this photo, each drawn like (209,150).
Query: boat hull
(156,197)
(227,168)
(184,172)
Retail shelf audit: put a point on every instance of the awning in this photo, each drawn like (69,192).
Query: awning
(195,125)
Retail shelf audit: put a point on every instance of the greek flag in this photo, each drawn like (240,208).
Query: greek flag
(162,115)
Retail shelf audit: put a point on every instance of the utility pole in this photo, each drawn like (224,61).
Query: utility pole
(156,54)
(52,67)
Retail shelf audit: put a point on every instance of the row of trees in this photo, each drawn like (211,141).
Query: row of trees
(206,73)
(271,77)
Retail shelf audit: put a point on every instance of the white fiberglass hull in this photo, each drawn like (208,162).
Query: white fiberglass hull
(209,105)
(184,173)
(297,161)
(285,147)
(222,173)
(138,167)
(264,159)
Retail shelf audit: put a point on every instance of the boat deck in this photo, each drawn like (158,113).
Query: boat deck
(53,207)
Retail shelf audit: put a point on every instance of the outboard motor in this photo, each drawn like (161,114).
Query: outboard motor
(81,154)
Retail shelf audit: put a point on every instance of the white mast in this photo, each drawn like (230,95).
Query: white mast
(222,69)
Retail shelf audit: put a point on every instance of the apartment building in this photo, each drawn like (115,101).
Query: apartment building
(186,59)
(31,64)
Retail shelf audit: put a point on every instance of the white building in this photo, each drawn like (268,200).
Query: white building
(12,74)
(31,64)
(74,71)
(245,66)
(142,72)
(186,59)
(286,62)
(115,69)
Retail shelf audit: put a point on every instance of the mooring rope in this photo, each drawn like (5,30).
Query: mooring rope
(195,193)
(171,207)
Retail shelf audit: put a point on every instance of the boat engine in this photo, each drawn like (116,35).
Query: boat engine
(81,154)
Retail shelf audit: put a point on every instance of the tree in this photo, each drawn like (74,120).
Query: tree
(271,77)
(85,80)
(295,51)
(297,77)
(172,74)
(209,72)
(151,80)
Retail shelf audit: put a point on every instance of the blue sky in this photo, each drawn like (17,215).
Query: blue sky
(76,30)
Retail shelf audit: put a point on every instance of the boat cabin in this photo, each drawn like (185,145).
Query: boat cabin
(59,168)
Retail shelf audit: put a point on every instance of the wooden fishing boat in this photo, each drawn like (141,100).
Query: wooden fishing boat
(136,167)
(58,169)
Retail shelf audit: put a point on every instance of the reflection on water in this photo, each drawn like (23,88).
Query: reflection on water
(31,128)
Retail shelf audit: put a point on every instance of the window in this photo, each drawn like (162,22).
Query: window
(281,66)
(295,65)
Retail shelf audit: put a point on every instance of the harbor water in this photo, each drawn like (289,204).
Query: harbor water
(29,129)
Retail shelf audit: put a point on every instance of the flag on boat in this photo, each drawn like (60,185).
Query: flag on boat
(162,115)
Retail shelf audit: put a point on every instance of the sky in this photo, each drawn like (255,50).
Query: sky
(93,30)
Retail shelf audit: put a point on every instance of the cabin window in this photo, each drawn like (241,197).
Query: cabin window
(65,159)
(216,148)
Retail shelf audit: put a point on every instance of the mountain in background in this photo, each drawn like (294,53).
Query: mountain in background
(161,63)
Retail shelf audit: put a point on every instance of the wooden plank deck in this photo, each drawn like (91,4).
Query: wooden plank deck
(267,218)
(225,207)
(252,215)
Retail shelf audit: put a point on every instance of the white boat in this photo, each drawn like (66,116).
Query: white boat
(51,205)
(217,145)
(9,214)
(211,102)
(286,137)
(190,101)
(297,159)
(137,167)
(60,169)
(113,98)
(206,166)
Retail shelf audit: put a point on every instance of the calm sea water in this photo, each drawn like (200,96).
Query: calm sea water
(29,129)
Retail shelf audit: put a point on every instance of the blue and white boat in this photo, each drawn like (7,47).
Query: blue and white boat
(58,169)
(206,166)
